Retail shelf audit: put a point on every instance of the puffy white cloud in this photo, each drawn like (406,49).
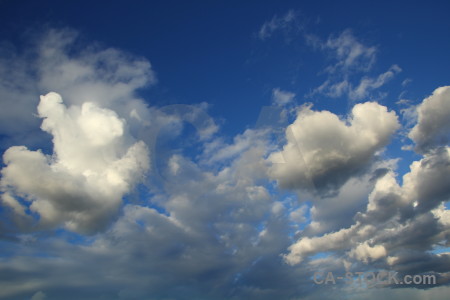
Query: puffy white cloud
(80,186)
(322,152)
(426,185)
(433,125)
(395,223)
(215,220)
(39,296)
(54,61)
(402,223)
(365,252)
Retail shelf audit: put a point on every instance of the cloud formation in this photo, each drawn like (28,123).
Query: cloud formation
(217,226)
(322,152)
(81,184)
(401,225)
(433,124)
(56,60)
(352,59)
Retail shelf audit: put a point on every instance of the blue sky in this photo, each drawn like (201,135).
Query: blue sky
(222,150)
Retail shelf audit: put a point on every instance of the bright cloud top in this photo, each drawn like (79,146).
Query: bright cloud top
(95,162)
(401,223)
(323,152)
(433,124)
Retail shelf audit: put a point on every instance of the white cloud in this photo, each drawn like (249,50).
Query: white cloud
(94,163)
(368,84)
(351,58)
(280,97)
(322,152)
(350,53)
(216,220)
(399,221)
(433,124)
(56,62)
(364,252)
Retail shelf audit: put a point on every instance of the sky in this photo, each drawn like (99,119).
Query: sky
(223,149)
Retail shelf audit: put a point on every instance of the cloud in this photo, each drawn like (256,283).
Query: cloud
(57,60)
(433,125)
(80,186)
(218,229)
(368,84)
(351,58)
(400,227)
(322,152)
(276,23)
(397,222)
(364,252)
(351,54)
(280,97)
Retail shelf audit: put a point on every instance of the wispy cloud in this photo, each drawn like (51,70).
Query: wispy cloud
(347,75)
(277,23)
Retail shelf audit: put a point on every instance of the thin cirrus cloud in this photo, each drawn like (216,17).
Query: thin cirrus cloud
(350,59)
(231,221)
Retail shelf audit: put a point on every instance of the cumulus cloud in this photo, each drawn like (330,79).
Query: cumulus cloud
(56,60)
(216,220)
(398,221)
(80,186)
(322,152)
(209,228)
(364,252)
(433,125)
(400,227)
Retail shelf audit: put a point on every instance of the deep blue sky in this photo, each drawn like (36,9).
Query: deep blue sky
(209,50)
